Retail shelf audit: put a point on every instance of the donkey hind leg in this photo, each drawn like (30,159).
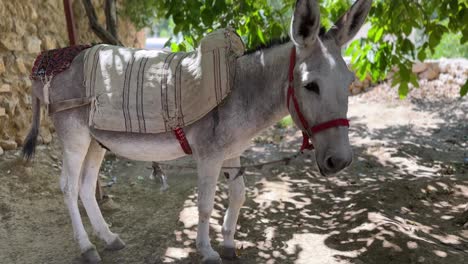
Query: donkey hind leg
(90,172)
(158,172)
(236,200)
(208,173)
(74,153)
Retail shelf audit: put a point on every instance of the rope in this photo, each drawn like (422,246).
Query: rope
(242,169)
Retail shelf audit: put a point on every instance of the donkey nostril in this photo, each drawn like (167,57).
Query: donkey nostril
(330,163)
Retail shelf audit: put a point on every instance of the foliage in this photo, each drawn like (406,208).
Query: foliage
(450,47)
(285,122)
(391,40)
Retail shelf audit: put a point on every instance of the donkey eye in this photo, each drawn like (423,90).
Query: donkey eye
(313,87)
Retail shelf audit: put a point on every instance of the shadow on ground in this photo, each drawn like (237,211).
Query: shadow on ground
(399,202)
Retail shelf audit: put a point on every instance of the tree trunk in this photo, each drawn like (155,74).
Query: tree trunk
(111,18)
(103,34)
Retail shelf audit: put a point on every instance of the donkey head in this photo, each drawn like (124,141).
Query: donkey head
(321,79)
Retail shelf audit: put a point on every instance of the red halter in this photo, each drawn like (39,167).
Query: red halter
(317,128)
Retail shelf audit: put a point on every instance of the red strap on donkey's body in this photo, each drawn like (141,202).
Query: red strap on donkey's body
(306,144)
(184,144)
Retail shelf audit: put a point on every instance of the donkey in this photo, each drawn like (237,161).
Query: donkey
(318,79)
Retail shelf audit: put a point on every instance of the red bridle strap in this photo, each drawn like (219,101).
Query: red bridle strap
(305,125)
(327,125)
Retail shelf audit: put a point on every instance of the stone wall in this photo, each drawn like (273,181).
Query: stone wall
(26,28)
(449,72)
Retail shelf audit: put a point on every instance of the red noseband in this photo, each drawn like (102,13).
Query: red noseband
(314,129)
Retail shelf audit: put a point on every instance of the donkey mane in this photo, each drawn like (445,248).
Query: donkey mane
(270,44)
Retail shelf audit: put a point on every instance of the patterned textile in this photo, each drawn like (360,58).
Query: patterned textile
(52,62)
(154,91)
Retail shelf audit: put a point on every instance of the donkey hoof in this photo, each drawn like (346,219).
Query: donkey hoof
(91,256)
(117,244)
(229,253)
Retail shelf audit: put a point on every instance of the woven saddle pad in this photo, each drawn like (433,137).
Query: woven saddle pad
(154,91)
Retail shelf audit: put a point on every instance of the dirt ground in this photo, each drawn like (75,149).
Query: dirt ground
(401,201)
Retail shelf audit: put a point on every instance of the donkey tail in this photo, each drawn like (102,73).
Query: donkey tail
(29,147)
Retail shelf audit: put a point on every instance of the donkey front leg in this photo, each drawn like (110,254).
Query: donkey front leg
(208,173)
(90,172)
(236,200)
(74,153)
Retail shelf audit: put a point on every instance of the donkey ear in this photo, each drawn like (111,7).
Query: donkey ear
(305,24)
(350,23)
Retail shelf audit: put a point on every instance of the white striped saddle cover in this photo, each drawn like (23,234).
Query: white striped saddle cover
(154,91)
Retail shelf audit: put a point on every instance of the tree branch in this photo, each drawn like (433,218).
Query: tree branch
(111,18)
(103,34)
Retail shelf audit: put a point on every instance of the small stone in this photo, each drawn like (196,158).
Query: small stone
(20,27)
(109,205)
(8,144)
(419,67)
(21,66)
(49,43)
(5,88)
(356,90)
(358,84)
(430,74)
(1,151)
(2,111)
(2,66)
(366,83)
(444,66)
(33,44)
(46,136)
(28,171)
(11,41)
(33,14)
(390,75)
(41,147)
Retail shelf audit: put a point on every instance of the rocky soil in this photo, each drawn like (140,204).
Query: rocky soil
(401,201)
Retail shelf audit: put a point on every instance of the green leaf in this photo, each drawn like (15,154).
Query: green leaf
(406,29)
(403,90)
(464,89)
(379,34)
(422,55)
(207,16)
(414,80)
(260,35)
(174,47)
(168,43)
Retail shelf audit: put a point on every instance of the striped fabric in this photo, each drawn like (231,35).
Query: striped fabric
(147,91)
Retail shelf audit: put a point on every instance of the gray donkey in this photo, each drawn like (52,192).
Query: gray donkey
(314,91)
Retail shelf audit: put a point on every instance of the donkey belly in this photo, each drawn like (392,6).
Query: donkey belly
(145,147)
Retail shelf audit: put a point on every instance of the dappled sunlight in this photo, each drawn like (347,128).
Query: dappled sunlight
(401,201)
(173,254)
(397,203)
(279,192)
(312,249)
